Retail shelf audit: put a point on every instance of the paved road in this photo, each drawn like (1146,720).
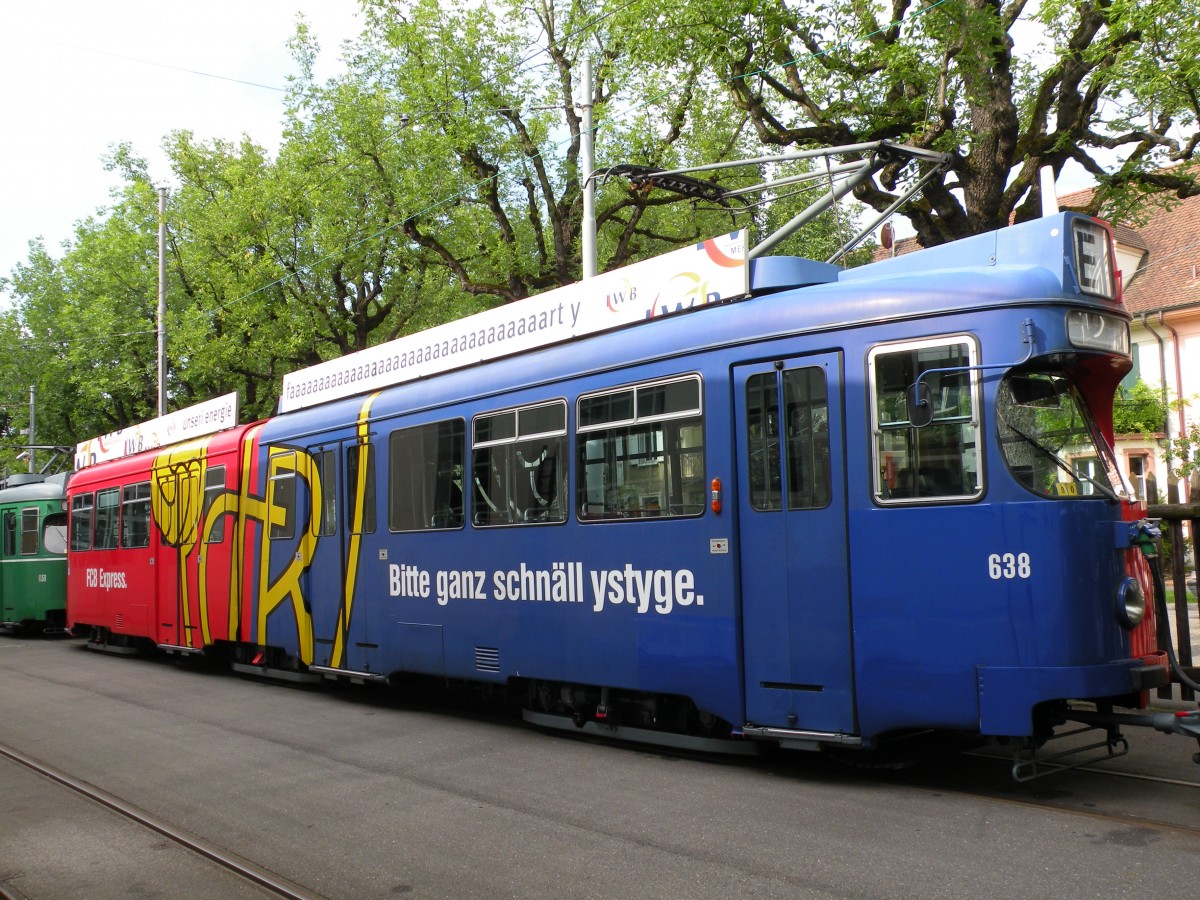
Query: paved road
(357,796)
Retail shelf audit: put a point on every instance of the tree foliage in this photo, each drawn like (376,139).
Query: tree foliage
(441,172)
(1004,86)
(1139,409)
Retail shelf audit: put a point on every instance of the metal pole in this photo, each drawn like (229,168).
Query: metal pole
(589,184)
(162,301)
(32,427)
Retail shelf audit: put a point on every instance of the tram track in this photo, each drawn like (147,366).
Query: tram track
(1051,796)
(230,862)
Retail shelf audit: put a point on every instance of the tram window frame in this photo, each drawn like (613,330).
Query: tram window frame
(503,444)
(282,495)
(54,533)
(355,455)
(26,547)
(26,532)
(214,487)
(942,462)
(135,516)
(325,469)
(640,451)
(427,465)
(106,527)
(802,432)
(83,512)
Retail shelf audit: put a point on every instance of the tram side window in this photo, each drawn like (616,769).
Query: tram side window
(518,469)
(939,461)
(326,468)
(10,533)
(425,475)
(803,431)
(641,452)
(214,487)
(30,529)
(283,496)
(360,482)
(54,533)
(82,514)
(108,516)
(135,515)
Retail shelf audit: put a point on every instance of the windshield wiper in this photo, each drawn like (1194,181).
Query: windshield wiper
(1053,457)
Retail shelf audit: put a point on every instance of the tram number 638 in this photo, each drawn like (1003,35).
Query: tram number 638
(1008,565)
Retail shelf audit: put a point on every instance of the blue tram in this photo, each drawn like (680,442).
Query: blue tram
(33,553)
(853,504)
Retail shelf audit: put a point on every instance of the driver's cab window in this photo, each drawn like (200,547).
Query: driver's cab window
(925,421)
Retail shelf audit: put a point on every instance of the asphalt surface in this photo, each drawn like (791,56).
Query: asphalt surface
(363,793)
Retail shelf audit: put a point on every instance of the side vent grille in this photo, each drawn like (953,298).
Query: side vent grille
(487,659)
(119,622)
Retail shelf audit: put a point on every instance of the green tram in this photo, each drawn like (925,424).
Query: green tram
(33,553)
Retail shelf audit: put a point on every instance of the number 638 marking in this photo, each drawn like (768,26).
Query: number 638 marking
(1008,565)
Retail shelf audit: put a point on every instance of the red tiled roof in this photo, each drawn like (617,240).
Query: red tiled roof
(1169,276)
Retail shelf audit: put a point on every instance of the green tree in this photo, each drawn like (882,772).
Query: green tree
(1004,86)
(1139,410)
(87,323)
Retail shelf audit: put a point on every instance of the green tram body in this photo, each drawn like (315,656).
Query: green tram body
(33,553)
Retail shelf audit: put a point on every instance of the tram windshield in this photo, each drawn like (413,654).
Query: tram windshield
(1050,440)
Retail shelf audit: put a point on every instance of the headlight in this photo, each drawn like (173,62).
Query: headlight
(1131,603)
(1096,331)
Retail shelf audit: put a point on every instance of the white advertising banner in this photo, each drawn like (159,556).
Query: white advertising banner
(204,418)
(691,276)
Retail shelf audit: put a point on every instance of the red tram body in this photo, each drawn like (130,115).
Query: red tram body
(156,545)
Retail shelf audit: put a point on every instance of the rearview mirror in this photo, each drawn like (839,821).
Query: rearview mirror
(920,404)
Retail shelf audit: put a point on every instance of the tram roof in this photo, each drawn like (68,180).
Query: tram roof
(49,487)
(788,295)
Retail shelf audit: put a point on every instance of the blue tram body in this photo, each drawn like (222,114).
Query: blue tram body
(737,518)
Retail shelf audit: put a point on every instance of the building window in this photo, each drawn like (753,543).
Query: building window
(1087,470)
(1137,474)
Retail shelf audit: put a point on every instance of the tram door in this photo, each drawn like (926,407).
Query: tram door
(341,636)
(792,525)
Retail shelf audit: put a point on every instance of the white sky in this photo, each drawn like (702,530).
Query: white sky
(80,76)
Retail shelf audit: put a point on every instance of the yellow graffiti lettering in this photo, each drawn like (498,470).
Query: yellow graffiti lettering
(281,512)
(365,462)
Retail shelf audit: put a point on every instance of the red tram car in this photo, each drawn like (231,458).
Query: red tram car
(125,513)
